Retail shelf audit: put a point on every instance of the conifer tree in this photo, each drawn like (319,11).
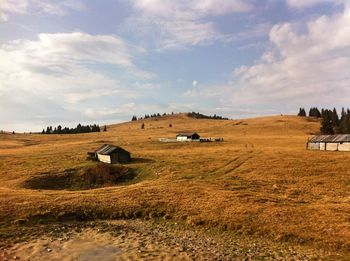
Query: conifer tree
(326,124)
(335,118)
(344,126)
(302,112)
(343,113)
(314,112)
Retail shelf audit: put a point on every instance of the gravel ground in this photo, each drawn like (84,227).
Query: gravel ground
(146,240)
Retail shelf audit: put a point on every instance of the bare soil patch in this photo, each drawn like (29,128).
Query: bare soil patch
(145,240)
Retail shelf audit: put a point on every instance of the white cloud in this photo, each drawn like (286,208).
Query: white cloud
(106,112)
(194,83)
(300,4)
(188,7)
(54,50)
(126,110)
(304,65)
(65,69)
(62,56)
(307,64)
(10,7)
(212,7)
(178,24)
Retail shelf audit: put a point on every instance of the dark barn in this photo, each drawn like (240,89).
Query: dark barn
(112,154)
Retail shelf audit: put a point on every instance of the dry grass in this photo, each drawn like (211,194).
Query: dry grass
(260,181)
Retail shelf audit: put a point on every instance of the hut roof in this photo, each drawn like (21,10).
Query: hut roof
(107,149)
(187,134)
(331,138)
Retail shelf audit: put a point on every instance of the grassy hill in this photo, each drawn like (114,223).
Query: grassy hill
(260,181)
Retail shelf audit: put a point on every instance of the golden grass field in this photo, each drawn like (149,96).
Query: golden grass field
(261,181)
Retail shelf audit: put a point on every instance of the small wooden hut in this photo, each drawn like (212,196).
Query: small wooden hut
(111,154)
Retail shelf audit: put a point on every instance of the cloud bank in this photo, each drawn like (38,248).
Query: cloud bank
(62,70)
(25,7)
(179,24)
(304,64)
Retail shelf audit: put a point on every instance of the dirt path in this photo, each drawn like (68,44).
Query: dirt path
(140,240)
(92,245)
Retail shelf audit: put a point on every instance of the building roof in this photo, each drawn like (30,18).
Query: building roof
(331,138)
(187,134)
(107,149)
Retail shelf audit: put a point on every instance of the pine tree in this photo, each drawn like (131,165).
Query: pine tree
(142,126)
(317,113)
(78,129)
(343,113)
(105,128)
(302,112)
(344,126)
(326,124)
(335,118)
(314,112)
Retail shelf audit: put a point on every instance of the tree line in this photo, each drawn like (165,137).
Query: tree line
(331,123)
(147,116)
(79,129)
(195,115)
(198,115)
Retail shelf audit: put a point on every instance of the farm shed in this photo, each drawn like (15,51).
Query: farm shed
(187,136)
(112,154)
(340,142)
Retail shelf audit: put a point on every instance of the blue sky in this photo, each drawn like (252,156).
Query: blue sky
(70,61)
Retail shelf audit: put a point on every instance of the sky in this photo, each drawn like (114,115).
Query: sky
(74,61)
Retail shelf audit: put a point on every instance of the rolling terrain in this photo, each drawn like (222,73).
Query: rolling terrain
(260,182)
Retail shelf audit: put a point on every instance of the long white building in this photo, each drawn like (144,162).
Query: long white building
(339,142)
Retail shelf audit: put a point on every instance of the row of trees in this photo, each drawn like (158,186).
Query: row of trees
(147,116)
(331,123)
(313,112)
(195,115)
(198,115)
(79,129)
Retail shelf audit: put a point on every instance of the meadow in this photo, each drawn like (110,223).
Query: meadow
(260,181)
